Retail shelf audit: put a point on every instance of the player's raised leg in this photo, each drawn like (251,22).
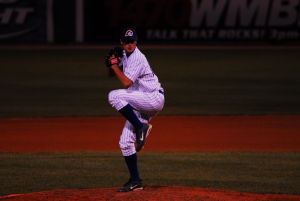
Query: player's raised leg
(126,102)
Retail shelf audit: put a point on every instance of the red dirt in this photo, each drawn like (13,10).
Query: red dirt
(193,133)
(150,194)
(211,133)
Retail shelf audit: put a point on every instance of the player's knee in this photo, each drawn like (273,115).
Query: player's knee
(127,149)
(124,146)
(116,99)
(112,97)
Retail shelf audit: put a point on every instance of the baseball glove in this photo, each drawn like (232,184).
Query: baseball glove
(117,52)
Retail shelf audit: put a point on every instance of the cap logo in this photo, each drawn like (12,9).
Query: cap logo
(129,33)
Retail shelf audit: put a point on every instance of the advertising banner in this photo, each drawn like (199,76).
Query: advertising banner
(196,20)
(23,21)
(94,21)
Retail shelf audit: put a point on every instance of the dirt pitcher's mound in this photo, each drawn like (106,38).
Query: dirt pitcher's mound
(173,193)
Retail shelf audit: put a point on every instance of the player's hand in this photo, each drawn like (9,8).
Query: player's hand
(113,59)
(114,56)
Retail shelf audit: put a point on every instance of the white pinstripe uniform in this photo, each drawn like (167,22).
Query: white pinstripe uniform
(145,95)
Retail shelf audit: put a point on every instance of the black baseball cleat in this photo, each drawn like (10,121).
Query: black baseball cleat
(131,186)
(141,136)
(128,182)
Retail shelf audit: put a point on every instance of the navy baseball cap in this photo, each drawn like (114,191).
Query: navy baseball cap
(128,35)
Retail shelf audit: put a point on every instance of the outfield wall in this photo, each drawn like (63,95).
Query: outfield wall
(98,22)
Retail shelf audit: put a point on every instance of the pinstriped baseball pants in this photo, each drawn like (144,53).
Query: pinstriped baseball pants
(146,105)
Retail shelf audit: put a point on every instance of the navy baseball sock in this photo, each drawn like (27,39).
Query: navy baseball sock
(129,114)
(131,162)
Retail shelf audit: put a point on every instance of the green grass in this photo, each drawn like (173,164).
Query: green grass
(51,83)
(257,172)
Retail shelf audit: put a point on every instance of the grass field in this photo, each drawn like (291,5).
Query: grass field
(257,172)
(48,83)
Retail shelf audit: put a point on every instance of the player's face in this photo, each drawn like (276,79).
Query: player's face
(129,47)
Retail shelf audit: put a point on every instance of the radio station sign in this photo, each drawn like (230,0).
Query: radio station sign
(209,19)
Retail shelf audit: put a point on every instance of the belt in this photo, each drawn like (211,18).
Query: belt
(161,91)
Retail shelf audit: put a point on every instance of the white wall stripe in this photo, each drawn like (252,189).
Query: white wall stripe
(50,24)
(79,16)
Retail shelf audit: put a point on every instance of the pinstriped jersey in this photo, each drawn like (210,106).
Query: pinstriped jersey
(138,70)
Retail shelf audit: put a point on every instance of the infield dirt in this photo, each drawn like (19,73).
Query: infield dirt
(150,193)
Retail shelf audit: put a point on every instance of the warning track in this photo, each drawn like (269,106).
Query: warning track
(170,133)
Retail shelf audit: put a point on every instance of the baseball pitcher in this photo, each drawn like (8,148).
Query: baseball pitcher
(140,100)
